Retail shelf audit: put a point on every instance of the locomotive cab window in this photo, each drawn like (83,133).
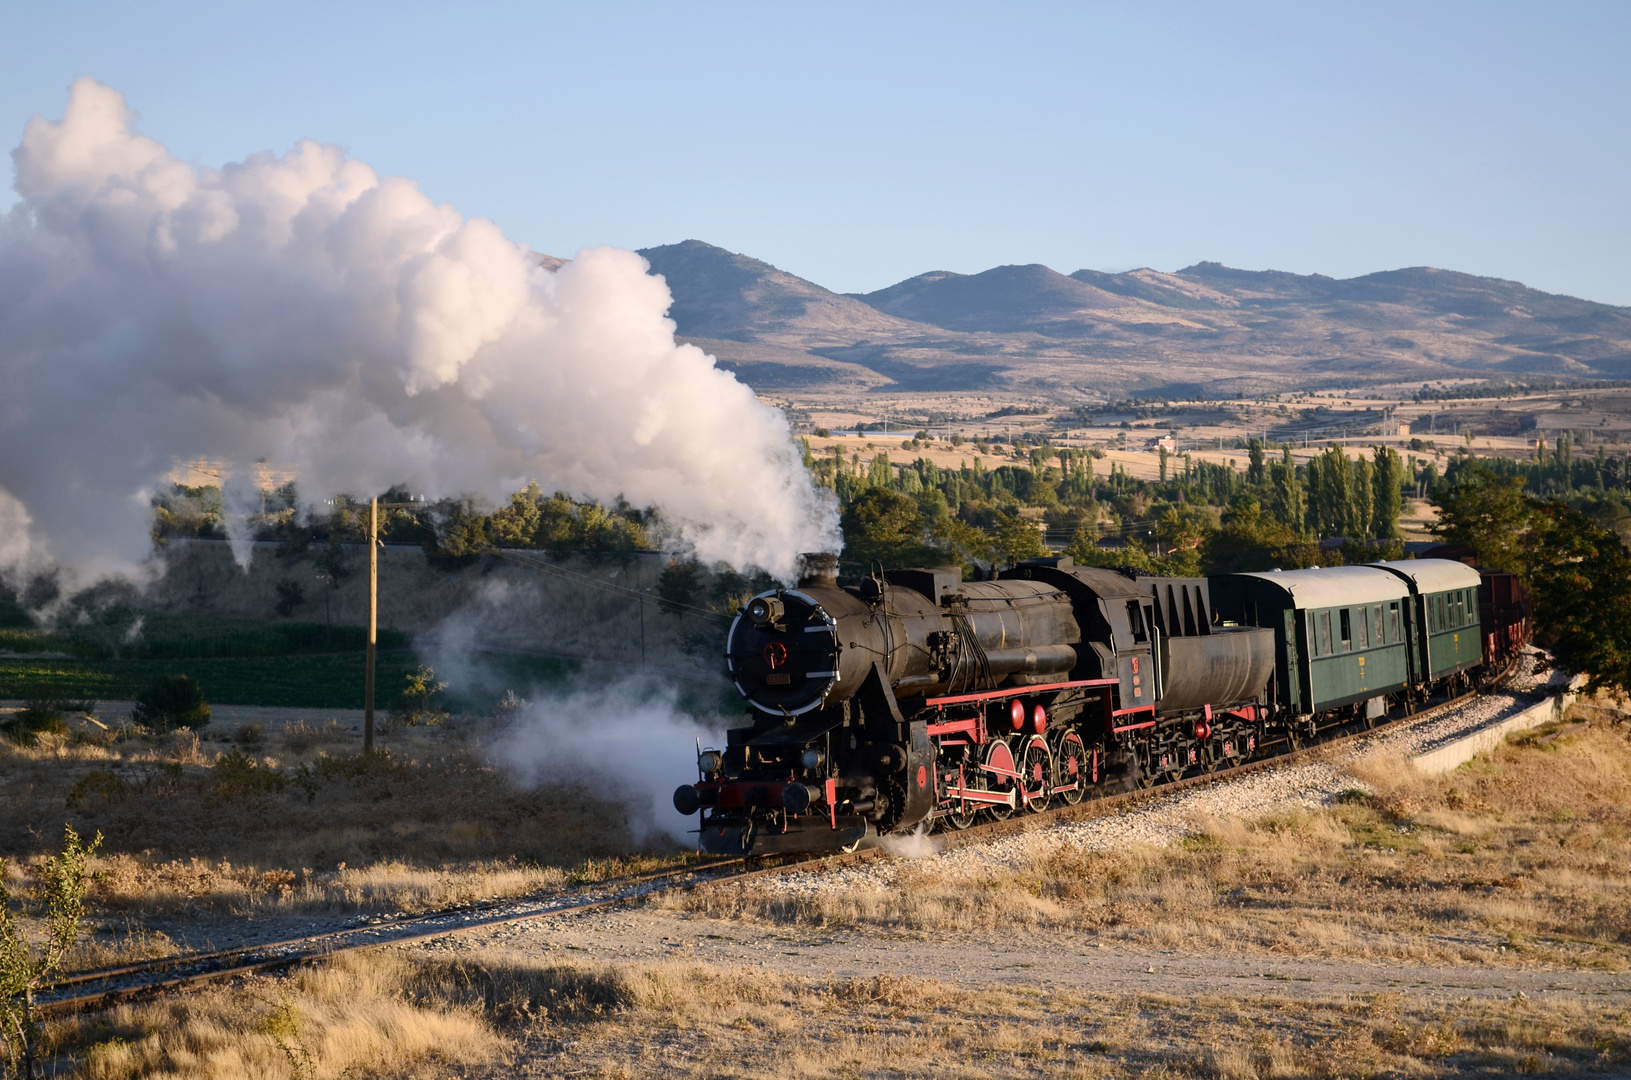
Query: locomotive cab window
(1135,619)
(1347,630)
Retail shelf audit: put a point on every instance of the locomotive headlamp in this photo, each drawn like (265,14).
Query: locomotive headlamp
(811,758)
(710,761)
(765,610)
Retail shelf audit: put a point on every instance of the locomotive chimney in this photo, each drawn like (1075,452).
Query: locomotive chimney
(818,568)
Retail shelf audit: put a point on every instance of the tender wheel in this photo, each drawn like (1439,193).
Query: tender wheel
(998,776)
(1147,776)
(1036,774)
(1070,768)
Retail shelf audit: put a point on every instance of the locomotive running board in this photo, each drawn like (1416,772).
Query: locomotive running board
(853,831)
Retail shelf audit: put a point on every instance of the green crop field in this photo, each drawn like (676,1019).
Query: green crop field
(123,634)
(115,654)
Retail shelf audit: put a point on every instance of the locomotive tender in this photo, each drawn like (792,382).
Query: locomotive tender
(917,698)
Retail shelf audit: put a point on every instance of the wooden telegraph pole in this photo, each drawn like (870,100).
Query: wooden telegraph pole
(373,626)
(373,616)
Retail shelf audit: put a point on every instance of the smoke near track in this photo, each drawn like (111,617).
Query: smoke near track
(304,310)
(630,739)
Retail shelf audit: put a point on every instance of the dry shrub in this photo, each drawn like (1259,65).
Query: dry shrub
(890,989)
(179,887)
(301,736)
(360,1014)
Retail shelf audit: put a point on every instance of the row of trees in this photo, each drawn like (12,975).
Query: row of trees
(1196,516)
(453,531)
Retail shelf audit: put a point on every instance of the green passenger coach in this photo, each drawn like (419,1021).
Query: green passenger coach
(1342,633)
(1444,606)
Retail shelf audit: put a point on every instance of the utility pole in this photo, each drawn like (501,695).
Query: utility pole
(373,617)
(373,625)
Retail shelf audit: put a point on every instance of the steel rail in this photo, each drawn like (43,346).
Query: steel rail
(269,956)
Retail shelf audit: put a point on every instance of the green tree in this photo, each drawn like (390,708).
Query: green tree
(1580,584)
(1361,501)
(416,705)
(516,525)
(881,474)
(1386,488)
(1250,541)
(1483,511)
(1181,531)
(1286,497)
(885,526)
(58,898)
(679,587)
(1016,538)
(169,702)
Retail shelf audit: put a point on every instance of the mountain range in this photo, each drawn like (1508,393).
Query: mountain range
(1204,329)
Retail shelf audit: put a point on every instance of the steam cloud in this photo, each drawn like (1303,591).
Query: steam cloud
(630,737)
(304,310)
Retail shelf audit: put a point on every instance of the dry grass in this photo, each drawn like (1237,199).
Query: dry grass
(281,822)
(401,1014)
(367,1015)
(1518,856)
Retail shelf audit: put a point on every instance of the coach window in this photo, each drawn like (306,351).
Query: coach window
(1393,632)
(1347,630)
(1379,632)
(1362,637)
(1324,642)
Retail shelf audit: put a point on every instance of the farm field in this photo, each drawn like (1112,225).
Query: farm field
(236,662)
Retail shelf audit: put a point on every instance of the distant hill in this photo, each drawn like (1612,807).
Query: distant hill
(1206,326)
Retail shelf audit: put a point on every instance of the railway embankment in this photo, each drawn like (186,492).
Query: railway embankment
(1558,694)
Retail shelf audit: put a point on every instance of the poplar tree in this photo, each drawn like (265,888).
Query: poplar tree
(1387,499)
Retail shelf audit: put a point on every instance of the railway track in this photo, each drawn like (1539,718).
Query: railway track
(91,990)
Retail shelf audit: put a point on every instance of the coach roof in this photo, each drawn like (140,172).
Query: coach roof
(1335,586)
(1433,575)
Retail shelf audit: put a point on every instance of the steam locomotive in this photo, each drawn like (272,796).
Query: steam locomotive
(917,698)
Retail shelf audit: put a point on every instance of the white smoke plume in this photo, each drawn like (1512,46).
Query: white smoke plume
(630,739)
(304,310)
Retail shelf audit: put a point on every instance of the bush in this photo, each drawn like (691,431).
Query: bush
(416,707)
(169,702)
(37,717)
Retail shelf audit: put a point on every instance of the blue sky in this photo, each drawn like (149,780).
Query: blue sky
(857,145)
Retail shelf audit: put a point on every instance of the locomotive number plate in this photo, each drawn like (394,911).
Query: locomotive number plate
(778,678)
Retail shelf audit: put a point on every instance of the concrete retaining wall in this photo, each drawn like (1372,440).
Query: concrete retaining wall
(1454,754)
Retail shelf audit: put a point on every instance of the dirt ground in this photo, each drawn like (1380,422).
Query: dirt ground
(1058,960)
